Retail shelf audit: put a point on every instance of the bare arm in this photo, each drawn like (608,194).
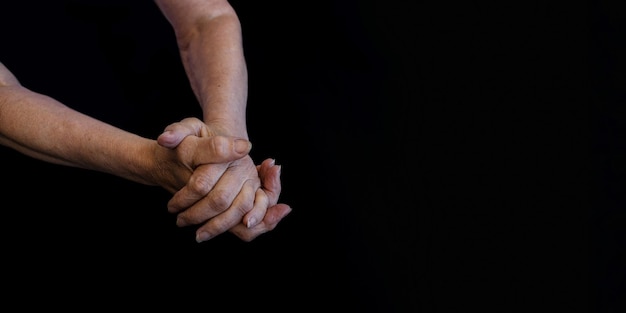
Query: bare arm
(45,129)
(208,33)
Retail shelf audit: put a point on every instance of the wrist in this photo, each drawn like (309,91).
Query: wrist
(145,166)
(227,127)
(158,166)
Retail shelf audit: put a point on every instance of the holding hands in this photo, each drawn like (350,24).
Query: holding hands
(219,187)
(203,163)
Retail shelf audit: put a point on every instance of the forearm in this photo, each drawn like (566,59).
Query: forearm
(44,128)
(209,37)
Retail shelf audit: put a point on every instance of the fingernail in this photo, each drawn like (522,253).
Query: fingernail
(280,168)
(203,236)
(251,222)
(242,145)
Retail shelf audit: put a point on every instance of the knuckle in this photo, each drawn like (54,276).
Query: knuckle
(218,200)
(200,184)
(185,147)
(244,207)
(220,146)
(261,197)
(247,198)
(195,216)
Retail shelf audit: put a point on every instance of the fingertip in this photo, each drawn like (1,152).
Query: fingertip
(251,222)
(267,164)
(202,236)
(165,139)
(278,212)
(278,170)
(180,222)
(243,146)
(269,168)
(171,138)
(287,210)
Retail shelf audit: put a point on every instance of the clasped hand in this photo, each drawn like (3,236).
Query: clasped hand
(215,183)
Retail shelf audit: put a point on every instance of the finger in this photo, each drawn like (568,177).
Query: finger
(220,149)
(264,166)
(261,203)
(273,216)
(231,217)
(201,182)
(220,199)
(270,180)
(176,132)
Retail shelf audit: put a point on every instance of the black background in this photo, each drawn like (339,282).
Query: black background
(439,157)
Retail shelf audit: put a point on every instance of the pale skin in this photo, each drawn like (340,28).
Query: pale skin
(61,135)
(215,185)
(266,208)
(208,33)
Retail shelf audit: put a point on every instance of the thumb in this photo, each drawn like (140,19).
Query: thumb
(170,139)
(220,149)
(176,132)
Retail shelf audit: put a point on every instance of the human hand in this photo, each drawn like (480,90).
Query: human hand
(266,201)
(234,196)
